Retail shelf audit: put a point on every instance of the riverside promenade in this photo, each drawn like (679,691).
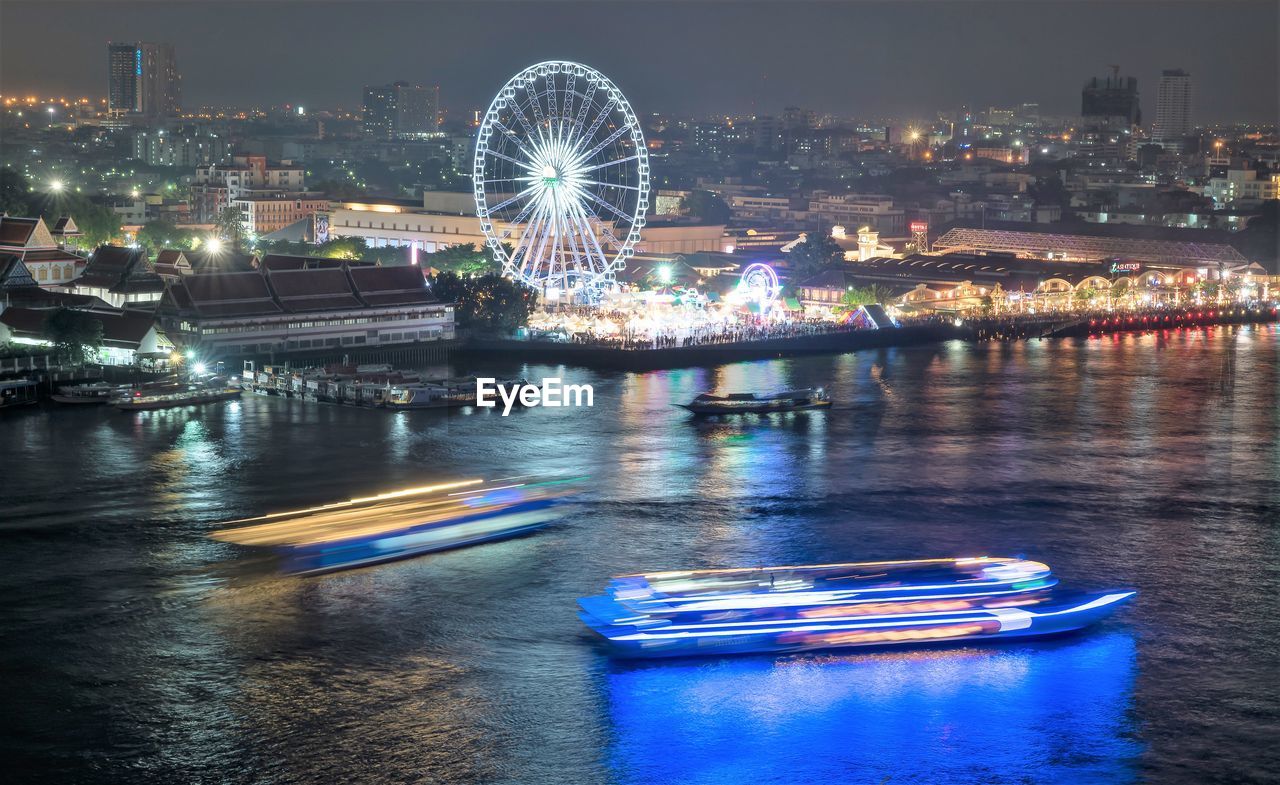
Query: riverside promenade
(925,330)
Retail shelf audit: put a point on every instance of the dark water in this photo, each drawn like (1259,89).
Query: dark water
(136,650)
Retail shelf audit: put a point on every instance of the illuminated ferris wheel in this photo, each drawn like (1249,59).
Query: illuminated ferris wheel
(561,179)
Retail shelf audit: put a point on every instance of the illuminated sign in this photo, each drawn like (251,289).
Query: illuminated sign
(919,226)
(137,60)
(1125,267)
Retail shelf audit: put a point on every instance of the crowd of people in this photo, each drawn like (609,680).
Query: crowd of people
(707,334)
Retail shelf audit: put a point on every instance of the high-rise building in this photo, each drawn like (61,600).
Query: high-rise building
(1111,100)
(1173,108)
(417,109)
(400,109)
(143,80)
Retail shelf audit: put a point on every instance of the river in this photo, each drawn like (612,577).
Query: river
(137,650)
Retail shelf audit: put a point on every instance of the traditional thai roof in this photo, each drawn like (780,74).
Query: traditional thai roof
(121,330)
(172,263)
(391,285)
(108,266)
(24,233)
(230,294)
(316,289)
(206,262)
(65,227)
(13,273)
(277,261)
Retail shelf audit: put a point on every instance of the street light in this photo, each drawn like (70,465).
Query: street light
(56,186)
(213,244)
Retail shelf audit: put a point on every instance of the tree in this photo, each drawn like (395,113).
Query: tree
(155,235)
(229,226)
(706,207)
(76,335)
(98,223)
(488,302)
(15,193)
(867,295)
(816,254)
(462,258)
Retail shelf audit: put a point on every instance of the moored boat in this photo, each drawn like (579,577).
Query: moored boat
(787,609)
(97,392)
(804,399)
(140,401)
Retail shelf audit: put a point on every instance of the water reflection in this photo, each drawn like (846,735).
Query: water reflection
(1053,712)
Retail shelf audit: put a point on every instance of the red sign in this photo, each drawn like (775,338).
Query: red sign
(919,226)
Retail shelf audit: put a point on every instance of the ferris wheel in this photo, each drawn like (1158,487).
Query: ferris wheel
(561,179)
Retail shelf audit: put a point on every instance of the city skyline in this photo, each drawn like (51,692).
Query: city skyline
(868,59)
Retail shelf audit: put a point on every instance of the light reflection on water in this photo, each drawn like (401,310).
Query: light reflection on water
(1052,713)
(1146,461)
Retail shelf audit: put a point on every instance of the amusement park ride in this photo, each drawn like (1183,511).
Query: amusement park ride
(561,179)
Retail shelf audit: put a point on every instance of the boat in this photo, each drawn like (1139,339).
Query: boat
(403,523)
(427,396)
(790,609)
(139,400)
(18,392)
(440,394)
(97,392)
(799,400)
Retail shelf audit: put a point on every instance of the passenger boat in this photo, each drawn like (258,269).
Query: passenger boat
(139,400)
(786,609)
(18,392)
(403,523)
(97,392)
(428,396)
(442,394)
(754,403)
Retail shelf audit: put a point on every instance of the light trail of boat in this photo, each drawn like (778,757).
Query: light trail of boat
(363,500)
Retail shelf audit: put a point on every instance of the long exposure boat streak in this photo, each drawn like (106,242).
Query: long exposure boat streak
(403,523)
(837,605)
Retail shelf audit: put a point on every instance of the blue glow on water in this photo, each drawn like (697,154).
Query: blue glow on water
(1052,712)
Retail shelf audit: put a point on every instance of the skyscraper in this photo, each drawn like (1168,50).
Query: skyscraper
(1173,108)
(379,114)
(1111,100)
(400,109)
(143,80)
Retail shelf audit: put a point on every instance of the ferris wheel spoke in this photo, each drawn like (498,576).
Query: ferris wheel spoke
(519,219)
(566,109)
(515,139)
(593,197)
(609,185)
(527,239)
(519,115)
(604,228)
(608,163)
(513,199)
(599,121)
(608,140)
(584,226)
(496,154)
(587,102)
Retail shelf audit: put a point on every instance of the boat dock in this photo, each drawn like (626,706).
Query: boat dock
(370,386)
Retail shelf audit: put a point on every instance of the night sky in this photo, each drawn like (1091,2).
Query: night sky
(865,59)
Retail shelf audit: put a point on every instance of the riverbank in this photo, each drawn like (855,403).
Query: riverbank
(933,330)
